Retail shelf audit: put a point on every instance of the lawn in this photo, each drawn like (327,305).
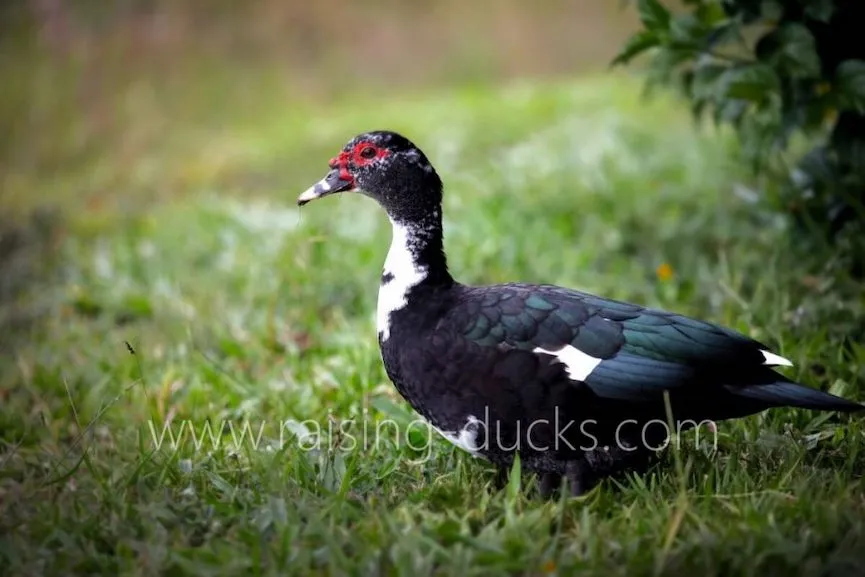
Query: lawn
(185,332)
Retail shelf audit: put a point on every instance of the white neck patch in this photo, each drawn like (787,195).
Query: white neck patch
(400,264)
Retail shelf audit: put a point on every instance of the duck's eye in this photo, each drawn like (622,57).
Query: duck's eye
(367,152)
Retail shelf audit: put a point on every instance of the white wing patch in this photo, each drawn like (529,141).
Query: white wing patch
(579,364)
(466,438)
(400,264)
(773,360)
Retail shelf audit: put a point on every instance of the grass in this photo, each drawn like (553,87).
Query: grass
(180,287)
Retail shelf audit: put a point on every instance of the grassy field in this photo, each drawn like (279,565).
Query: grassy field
(174,320)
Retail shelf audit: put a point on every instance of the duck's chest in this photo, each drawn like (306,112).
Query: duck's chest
(405,359)
(451,409)
(445,409)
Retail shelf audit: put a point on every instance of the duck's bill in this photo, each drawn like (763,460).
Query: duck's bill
(330,184)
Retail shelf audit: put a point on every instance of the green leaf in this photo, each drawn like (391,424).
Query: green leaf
(710,13)
(705,83)
(697,108)
(665,63)
(792,49)
(799,50)
(720,35)
(820,10)
(755,134)
(747,11)
(730,111)
(514,481)
(685,80)
(686,29)
(771,10)
(850,83)
(636,45)
(654,15)
(754,82)
(815,166)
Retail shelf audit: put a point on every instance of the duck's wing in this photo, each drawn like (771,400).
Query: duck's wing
(628,352)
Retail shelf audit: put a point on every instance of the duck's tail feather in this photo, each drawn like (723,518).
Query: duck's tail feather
(790,394)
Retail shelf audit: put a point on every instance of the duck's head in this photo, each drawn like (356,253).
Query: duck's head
(386,167)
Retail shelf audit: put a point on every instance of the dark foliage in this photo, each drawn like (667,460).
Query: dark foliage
(775,70)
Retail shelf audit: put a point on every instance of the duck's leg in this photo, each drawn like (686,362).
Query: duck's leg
(577,473)
(548,483)
(500,480)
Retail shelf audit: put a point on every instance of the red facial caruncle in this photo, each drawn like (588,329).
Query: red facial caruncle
(362,154)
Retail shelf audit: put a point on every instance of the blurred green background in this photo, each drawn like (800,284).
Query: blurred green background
(135,77)
(152,156)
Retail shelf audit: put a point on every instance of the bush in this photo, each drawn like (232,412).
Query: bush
(775,70)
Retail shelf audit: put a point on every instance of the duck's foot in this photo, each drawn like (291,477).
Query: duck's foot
(576,472)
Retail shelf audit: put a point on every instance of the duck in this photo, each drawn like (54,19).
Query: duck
(580,387)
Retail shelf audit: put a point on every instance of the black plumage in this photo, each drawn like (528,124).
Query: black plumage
(577,384)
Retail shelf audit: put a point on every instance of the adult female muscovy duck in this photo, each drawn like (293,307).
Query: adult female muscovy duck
(574,382)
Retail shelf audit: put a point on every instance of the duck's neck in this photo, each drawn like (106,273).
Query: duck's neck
(416,260)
